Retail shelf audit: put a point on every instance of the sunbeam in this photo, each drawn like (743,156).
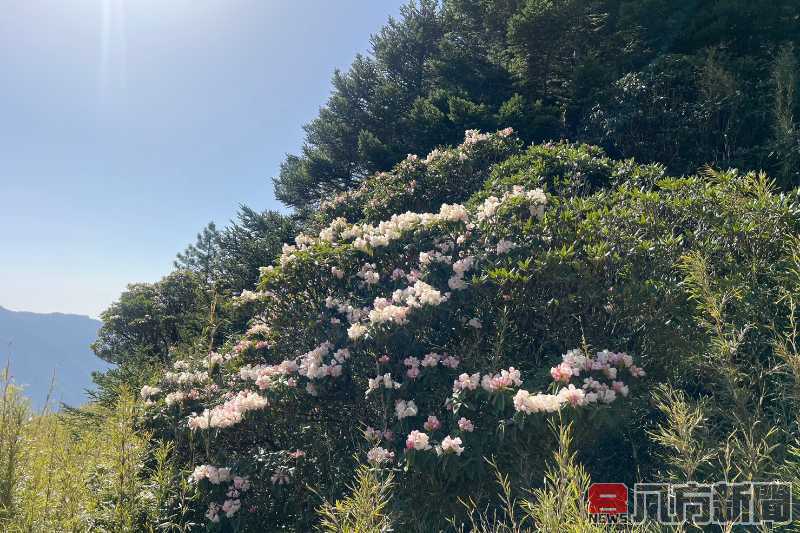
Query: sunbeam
(113,76)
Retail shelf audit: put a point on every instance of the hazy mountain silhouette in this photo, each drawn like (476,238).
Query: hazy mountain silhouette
(39,344)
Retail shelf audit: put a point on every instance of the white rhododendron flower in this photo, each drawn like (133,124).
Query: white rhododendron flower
(213,474)
(451,445)
(417,440)
(404,409)
(505,246)
(229,413)
(148,391)
(528,403)
(356,331)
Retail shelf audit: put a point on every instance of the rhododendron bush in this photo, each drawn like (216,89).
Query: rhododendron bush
(439,315)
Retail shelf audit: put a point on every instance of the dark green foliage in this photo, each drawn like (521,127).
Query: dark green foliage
(681,83)
(449,176)
(786,142)
(229,259)
(151,318)
(202,256)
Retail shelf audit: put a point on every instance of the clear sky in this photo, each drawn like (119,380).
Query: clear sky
(127,125)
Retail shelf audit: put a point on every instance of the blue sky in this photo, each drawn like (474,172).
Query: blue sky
(126,126)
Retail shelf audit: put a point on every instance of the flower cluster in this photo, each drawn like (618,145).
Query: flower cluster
(312,365)
(259,328)
(229,413)
(536,200)
(417,440)
(375,435)
(236,487)
(147,392)
(466,425)
(368,274)
(213,474)
(405,408)
(178,397)
(505,379)
(432,424)
(420,441)
(450,445)
(525,402)
(509,381)
(186,377)
(606,365)
(575,362)
(474,144)
(365,237)
(265,375)
(252,296)
(460,268)
(467,382)
(398,308)
(379,455)
(384,381)
(182,384)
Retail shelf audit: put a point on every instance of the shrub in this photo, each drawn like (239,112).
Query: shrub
(424,342)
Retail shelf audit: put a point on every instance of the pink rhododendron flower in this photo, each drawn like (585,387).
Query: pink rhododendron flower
(229,413)
(620,388)
(213,474)
(467,382)
(503,380)
(241,483)
(572,395)
(528,403)
(432,424)
(213,512)
(230,507)
(451,362)
(562,372)
(380,455)
(465,424)
(431,359)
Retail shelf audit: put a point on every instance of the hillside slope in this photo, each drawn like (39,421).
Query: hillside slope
(37,345)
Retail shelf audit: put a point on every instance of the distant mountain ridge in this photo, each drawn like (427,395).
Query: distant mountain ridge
(38,344)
